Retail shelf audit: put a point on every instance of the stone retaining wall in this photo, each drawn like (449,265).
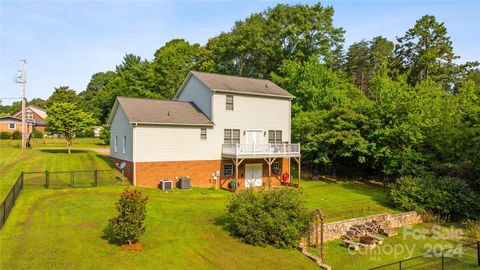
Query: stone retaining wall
(335,230)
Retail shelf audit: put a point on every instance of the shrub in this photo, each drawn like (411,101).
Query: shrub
(37,134)
(451,198)
(87,133)
(5,135)
(105,134)
(129,225)
(277,217)
(17,135)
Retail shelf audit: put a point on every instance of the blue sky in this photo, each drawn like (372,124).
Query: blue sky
(67,42)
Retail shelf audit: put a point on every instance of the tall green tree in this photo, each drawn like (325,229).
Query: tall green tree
(66,119)
(259,44)
(62,94)
(426,52)
(172,63)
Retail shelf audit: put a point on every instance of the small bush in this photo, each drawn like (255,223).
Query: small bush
(105,134)
(277,217)
(5,135)
(129,225)
(37,134)
(451,198)
(17,135)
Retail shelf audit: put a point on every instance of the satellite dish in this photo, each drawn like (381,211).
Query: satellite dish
(122,165)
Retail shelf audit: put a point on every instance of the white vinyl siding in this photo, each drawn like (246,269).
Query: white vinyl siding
(173,143)
(120,128)
(197,92)
(252,113)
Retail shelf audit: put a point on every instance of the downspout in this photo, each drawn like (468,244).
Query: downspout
(134,138)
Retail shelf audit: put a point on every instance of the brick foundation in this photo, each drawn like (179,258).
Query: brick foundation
(200,172)
(128,171)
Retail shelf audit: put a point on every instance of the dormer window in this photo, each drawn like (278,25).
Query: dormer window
(229,103)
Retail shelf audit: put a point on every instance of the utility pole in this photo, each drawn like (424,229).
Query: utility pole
(22,78)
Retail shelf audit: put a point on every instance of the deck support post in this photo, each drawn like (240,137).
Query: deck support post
(299,161)
(237,163)
(269,162)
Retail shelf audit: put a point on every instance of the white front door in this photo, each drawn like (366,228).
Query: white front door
(254,137)
(253,175)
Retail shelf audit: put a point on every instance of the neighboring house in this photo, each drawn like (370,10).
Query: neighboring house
(216,129)
(35,118)
(97,131)
(10,124)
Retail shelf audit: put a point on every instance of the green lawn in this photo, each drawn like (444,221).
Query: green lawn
(14,161)
(344,200)
(56,143)
(63,229)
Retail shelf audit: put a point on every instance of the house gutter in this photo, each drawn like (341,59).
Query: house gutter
(171,124)
(134,158)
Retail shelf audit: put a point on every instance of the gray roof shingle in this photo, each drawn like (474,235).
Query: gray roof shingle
(155,111)
(236,84)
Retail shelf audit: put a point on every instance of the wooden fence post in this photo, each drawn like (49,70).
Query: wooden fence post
(47,180)
(95,177)
(478,252)
(72,181)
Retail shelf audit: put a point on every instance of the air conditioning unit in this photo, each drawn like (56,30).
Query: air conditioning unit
(184,183)
(166,185)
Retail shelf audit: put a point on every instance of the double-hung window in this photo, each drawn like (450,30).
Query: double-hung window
(276,168)
(12,126)
(203,134)
(274,136)
(231,136)
(115,144)
(124,144)
(229,103)
(228,169)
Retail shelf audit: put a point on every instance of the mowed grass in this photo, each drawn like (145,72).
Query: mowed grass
(64,229)
(343,200)
(14,161)
(56,143)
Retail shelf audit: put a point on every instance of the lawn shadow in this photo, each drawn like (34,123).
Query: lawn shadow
(62,151)
(376,193)
(109,236)
(223,222)
(107,160)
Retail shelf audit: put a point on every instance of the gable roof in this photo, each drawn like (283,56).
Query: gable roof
(38,111)
(11,118)
(160,112)
(236,84)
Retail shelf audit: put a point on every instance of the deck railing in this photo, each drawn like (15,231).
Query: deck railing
(269,149)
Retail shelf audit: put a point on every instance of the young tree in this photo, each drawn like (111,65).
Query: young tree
(65,119)
(129,224)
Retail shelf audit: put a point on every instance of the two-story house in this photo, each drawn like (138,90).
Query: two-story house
(217,129)
(35,119)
